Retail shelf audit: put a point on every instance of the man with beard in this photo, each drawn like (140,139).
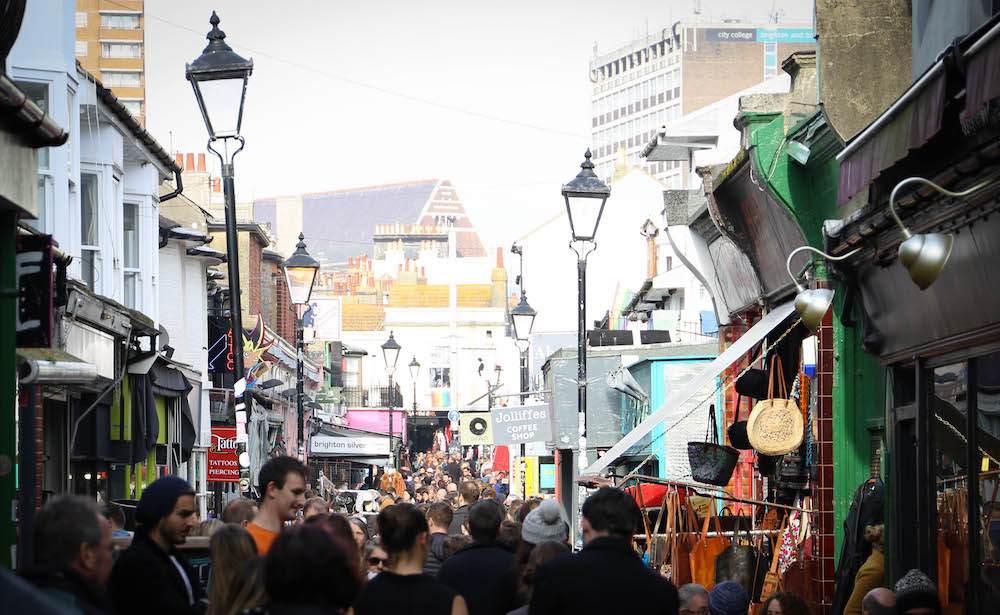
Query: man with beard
(165,516)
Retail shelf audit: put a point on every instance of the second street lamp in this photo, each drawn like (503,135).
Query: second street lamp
(300,274)
(585,197)
(522,317)
(390,353)
(414,372)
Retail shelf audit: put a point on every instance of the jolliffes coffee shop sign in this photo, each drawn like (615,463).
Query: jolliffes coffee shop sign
(522,424)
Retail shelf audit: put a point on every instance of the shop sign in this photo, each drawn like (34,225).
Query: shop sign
(531,475)
(476,428)
(33,267)
(223,464)
(348,447)
(522,424)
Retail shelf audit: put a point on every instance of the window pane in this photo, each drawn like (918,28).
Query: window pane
(38,93)
(130,288)
(88,268)
(89,203)
(134,106)
(131,235)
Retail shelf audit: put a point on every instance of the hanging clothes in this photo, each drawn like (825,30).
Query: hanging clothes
(866,509)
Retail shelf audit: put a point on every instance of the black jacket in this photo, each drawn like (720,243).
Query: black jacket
(458,520)
(144,581)
(69,587)
(866,509)
(435,554)
(607,576)
(453,470)
(485,575)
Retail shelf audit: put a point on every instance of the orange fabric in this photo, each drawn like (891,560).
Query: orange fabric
(263,537)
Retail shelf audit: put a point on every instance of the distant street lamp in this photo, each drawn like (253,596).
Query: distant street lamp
(414,372)
(585,197)
(390,353)
(219,79)
(523,319)
(300,274)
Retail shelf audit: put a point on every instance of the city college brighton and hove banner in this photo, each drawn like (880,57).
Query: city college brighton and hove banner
(223,464)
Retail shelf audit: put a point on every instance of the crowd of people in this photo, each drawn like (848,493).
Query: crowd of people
(445,540)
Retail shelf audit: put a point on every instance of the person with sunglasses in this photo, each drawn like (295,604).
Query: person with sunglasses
(402,586)
(374,557)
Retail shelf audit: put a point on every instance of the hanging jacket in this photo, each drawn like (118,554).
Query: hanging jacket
(866,509)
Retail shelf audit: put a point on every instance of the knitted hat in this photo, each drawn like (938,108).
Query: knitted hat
(159,498)
(544,523)
(916,590)
(728,598)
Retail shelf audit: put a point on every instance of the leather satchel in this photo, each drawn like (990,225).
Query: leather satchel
(772,580)
(775,426)
(684,539)
(705,551)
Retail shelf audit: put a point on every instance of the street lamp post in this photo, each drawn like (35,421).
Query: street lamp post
(414,372)
(585,197)
(523,319)
(300,275)
(390,353)
(219,78)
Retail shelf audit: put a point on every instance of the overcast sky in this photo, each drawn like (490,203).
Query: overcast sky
(493,96)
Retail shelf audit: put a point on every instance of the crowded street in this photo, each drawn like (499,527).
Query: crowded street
(686,307)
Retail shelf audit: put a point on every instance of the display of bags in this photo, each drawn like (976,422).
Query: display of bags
(705,551)
(775,426)
(710,461)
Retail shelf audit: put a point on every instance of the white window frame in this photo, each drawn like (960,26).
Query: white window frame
(81,19)
(108,20)
(134,271)
(80,49)
(107,46)
(46,177)
(111,81)
(93,250)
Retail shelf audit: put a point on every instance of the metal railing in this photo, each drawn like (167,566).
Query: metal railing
(371,397)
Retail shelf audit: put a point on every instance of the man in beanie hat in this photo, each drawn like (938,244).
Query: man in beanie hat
(607,576)
(728,598)
(545,523)
(916,594)
(151,577)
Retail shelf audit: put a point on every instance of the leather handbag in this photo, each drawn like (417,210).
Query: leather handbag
(753,383)
(772,580)
(775,426)
(741,562)
(738,430)
(684,539)
(705,551)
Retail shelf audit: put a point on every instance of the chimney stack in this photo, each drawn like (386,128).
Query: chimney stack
(190,163)
(201,162)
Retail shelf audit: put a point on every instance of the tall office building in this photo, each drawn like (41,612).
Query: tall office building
(660,77)
(110,41)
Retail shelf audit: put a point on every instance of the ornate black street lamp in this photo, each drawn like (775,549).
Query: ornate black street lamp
(414,372)
(390,353)
(300,274)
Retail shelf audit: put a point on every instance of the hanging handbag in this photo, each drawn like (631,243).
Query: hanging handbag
(753,382)
(659,545)
(738,430)
(711,462)
(684,537)
(772,580)
(775,426)
(741,562)
(705,551)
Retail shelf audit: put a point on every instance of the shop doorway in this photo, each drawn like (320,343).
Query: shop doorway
(420,432)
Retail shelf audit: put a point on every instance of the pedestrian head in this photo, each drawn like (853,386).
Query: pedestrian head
(71,533)
(440,495)
(916,594)
(514,508)
(166,511)
(282,482)
(784,603)
(693,599)
(509,537)
(240,510)
(336,525)
(875,535)
(609,512)
(488,493)
(403,531)
(307,566)
(879,601)
(484,520)
(231,547)
(115,516)
(247,589)
(373,557)
(727,598)
(541,554)
(453,544)
(469,492)
(439,517)
(315,506)
(527,507)
(208,527)
(545,522)
(359,529)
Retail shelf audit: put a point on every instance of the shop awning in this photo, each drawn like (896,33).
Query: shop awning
(732,354)
(982,72)
(170,382)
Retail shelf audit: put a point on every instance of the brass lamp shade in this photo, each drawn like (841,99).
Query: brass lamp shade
(812,305)
(924,256)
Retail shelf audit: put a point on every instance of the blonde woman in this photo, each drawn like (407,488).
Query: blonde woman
(232,547)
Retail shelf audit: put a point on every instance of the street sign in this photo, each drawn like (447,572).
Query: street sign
(223,464)
(476,428)
(347,447)
(453,416)
(522,424)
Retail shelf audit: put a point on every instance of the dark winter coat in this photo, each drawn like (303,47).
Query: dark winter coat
(866,509)
(144,581)
(458,520)
(20,596)
(435,554)
(70,589)
(485,575)
(606,576)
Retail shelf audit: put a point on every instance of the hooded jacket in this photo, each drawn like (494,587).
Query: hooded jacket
(435,555)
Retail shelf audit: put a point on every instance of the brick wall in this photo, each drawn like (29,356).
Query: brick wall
(39,436)
(252,277)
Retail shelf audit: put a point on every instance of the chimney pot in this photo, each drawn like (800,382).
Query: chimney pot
(201,162)
(499,258)
(179,159)
(218,184)
(400,267)
(190,162)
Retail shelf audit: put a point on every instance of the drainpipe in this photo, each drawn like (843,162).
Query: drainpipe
(180,188)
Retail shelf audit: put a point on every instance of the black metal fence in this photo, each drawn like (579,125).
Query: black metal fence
(372,397)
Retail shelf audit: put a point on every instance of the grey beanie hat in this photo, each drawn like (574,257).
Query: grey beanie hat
(916,590)
(545,523)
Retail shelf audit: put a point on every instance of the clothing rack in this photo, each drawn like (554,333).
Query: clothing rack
(699,488)
(965,477)
(713,534)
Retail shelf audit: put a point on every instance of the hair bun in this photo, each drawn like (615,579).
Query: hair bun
(549,511)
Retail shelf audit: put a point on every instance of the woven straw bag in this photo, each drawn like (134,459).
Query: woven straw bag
(775,425)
